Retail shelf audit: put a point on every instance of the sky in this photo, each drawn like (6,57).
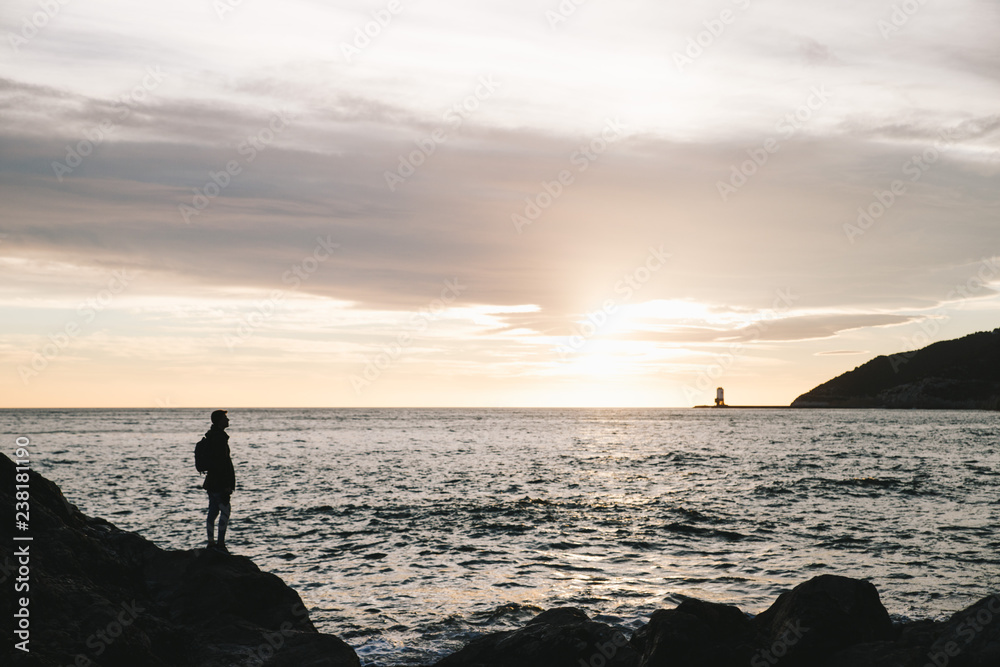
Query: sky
(247,203)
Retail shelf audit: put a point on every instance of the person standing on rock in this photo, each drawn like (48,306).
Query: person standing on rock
(220,477)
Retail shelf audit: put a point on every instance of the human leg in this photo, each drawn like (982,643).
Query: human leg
(214,507)
(225,508)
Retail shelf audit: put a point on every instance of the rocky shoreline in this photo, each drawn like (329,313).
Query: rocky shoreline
(103,597)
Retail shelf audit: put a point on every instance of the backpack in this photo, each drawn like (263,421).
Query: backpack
(201,455)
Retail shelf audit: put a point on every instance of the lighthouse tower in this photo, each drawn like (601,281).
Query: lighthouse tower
(720,398)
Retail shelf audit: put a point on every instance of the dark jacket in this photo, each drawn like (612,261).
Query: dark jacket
(221,474)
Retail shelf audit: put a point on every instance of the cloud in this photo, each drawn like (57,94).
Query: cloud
(324,177)
(780,329)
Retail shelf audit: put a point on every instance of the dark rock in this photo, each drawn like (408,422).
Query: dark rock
(563,637)
(560,616)
(970,638)
(910,649)
(103,597)
(877,654)
(820,617)
(696,634)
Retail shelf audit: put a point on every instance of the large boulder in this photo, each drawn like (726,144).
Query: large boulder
(563,637)
(103,597)
(818,618)
(695,634)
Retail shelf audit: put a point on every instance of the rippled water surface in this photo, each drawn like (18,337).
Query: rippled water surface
(409,531)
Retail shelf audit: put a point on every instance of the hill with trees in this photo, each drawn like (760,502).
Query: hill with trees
(956,374)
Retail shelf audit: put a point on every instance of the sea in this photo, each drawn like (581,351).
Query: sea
(408,532)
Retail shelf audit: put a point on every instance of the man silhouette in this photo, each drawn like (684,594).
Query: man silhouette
(220,480)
